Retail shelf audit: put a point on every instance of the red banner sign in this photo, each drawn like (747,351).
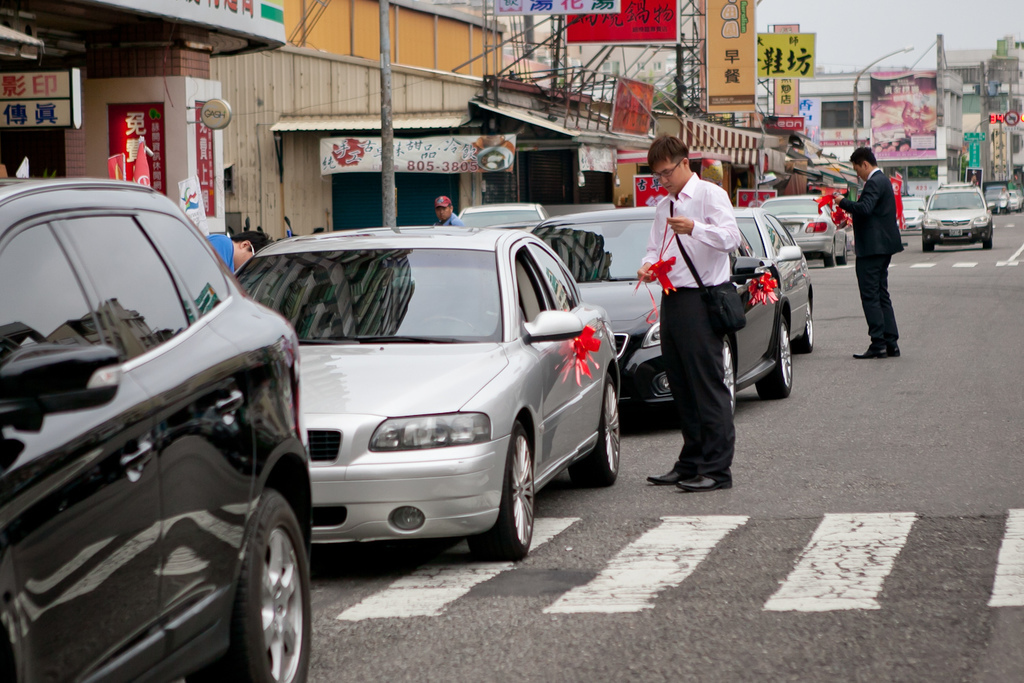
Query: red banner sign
(204,162)
(127,124)
(633,103)
(753,198)
(647,191)
(646,22)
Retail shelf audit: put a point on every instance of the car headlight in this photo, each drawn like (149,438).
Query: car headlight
(981,220)
(653,336)
(431,431)
(931,223)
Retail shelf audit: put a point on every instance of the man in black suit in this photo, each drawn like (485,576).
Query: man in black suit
(877,234)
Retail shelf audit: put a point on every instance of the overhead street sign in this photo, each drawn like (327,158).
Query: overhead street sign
(974,137)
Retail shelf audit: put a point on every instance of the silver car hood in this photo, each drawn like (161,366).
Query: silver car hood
(956,214)
(393,380)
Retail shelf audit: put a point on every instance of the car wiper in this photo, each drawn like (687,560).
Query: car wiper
(406,340)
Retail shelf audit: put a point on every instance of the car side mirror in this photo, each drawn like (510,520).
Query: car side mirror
(746,267)
(790,253)
(54,378)
(553,326)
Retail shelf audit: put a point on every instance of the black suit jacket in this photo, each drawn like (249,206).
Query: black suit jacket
(876,229)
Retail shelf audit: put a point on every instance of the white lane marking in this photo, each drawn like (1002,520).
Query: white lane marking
(431,588)
(1010,225)
(965,264)
(922,265)
(1000,264)
(1017,253)
(1008,590)
(845,564)
(661,558)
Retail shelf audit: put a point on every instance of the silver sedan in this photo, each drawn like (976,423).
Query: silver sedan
(447,375)
(815,233)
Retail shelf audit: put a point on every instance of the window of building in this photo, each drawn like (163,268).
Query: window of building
(837,114)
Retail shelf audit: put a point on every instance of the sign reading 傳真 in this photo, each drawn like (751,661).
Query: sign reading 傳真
(41,99)
(520,7)
(263,19)
(441,154)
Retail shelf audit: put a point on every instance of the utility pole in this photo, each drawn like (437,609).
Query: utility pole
(987,141)
(387,133)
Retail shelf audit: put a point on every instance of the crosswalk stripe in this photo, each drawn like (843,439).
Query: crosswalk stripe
(922,265)
(845,563)
(431,588)
(1008,590)
(1000,264)
(661,558)
(965,264)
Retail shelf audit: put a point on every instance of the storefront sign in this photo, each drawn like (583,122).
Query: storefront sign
(595,158)
(127,124)
(518,7)
(810,109)
(784,124)
(647,191)
(752,198)
(204,162)
(903,120)
(785,55)
(646,22)
(787,97)
(215,114)
(732,57)
(41,99)
(442,154)
(632,110)
(257,18)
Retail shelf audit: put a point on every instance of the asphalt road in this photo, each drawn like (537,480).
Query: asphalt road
(859,543)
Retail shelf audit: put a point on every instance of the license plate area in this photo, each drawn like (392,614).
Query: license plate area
(955,232)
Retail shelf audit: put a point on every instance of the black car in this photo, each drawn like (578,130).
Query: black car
(604,249)
(154,488)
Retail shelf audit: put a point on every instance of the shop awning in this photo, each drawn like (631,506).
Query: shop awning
(442,120)
(739,145)
(526,117)
(17,44)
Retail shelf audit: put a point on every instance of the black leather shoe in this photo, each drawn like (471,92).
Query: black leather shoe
(892,351)
(672,477)
(871,353)
(702,483)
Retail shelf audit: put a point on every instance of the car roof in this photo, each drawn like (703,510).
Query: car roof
(793,196)
(957,187)
(23,199)
(630,214)
(500,207)
(413,237)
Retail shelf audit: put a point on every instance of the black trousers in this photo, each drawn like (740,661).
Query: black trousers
(692,353)
(873,281)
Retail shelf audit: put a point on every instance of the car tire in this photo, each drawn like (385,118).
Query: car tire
(274,580)
(805,342)
(601,466)
(987,243)
(841,259)
(729,371)
(509,539)
(927,246)
(779,383)
(830,257)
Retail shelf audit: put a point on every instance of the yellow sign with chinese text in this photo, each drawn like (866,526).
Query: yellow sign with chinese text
(732,57)
(785,55)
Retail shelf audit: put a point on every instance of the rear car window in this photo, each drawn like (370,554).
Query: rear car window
(783,207)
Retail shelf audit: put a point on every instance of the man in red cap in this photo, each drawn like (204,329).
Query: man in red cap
(446,212)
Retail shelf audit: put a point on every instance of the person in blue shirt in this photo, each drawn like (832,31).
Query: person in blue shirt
(237,249)
(445,212)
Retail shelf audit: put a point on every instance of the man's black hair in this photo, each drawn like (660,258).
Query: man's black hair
(862,154)
(257,239)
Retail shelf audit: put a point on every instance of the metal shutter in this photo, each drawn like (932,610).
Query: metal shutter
(356,198)
(548,177)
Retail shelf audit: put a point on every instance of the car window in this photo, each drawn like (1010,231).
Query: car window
(555,279)
(594,252)
(356,294)
(49,306)
(951,201)
(191,260)
(784,207)
(138,303)
(781,231)
(773,237)
(752,236)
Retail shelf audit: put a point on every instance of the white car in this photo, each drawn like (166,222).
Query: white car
(913,212)
(487,215)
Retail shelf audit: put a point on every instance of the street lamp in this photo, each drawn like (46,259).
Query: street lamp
(856,82)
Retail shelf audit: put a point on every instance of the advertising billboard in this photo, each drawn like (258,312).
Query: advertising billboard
(785,55)
(127,125)
(643,22)
(903,115)
(731,55)
(441,154)
(634,101)
(520,7)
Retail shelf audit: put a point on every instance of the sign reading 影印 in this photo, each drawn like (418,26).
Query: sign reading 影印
(41,99)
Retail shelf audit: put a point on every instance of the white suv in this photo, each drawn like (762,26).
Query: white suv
(956,214)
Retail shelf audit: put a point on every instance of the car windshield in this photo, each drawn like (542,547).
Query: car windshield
(993,193)
(791,207)
(951,201)
(483,219)
(913,204)
(380,295)
(599,251)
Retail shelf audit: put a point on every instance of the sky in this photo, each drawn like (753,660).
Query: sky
(852,35)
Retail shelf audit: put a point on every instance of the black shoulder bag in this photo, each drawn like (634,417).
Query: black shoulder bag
(725,309)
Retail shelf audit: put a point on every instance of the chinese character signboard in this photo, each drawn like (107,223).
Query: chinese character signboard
(784,124)
(41,99)
(597,158)
(127,124)
(647,191)
(647,22)
(753,198)
(787,97)
(732,60)
(810,109)
(262,18)
(903,120)
(204,162)
(442,154)
(519,7)
(633,103)
(785,55)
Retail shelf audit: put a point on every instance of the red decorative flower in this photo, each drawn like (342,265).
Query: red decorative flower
(579,356)
(660,271)
(830,202)
(762,289)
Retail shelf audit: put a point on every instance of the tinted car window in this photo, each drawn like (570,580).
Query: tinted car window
(774,238)
(49,305)
(192,261)
(367,294)
(781,231)
(138,302)
(555,278)
(599,251)
(752,236)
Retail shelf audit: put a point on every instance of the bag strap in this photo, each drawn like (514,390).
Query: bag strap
(686,256)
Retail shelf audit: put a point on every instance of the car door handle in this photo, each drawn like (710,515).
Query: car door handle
(233,402)
(136,460)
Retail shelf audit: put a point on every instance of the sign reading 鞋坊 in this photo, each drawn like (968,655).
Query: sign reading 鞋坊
(41,99)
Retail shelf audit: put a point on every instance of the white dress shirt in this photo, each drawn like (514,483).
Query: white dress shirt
(715,234)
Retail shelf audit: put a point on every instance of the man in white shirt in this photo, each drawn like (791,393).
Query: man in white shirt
(701,214)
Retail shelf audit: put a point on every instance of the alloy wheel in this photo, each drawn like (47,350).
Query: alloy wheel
(523,491)
(785,354)
(730,374)
(282,606)
(611,429)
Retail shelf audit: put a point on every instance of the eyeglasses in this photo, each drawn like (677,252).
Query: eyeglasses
(665,174)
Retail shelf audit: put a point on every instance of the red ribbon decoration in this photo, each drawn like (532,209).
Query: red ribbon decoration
(579,360)
(831,202)
(762,290)
(660,270)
